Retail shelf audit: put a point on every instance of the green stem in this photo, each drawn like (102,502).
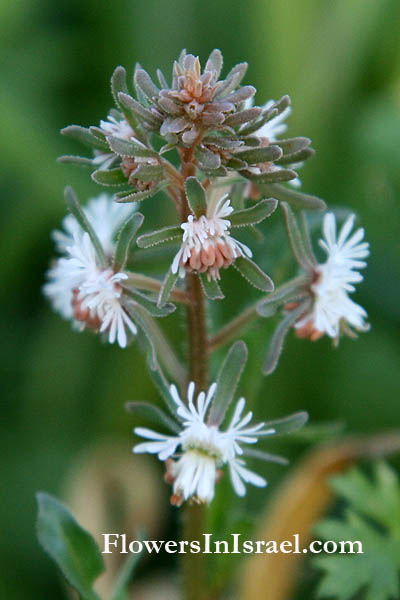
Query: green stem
(164,351)
(226,333)
(143,282)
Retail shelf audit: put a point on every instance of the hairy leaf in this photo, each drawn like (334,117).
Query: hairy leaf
(83,135)
(126,237)
(130,148)
(146,84)
(227,382)
(167,287)
(140,316)
(160,236)
(207,160)
(254,275)
(288,424)
(76,209)
(211,288)
(261,154)
(284,293)
(271,176)
(118,83)
(299,248)
(152,413)
(196,196)
(109,177)
(136,196)
(276,343)
(149,305)
(297,200)
(255,214)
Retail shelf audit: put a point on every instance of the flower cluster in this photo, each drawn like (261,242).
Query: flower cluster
(207,245)
(204,448)
(79,287)
(215,119)
(198,102)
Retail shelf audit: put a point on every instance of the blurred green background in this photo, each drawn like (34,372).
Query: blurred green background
(63,392)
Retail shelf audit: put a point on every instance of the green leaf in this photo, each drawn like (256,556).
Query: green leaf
(69,545)
(148,172)
(269,114)
(253,274)
(297,200)
(120,590)
(83,135)
(81,161)
(288,424)
(160,236)
(299,248)
(167,287)
(145,83)
(300,156)
(227,382)
(319,432)
(99,133)
(211,288)
(149,305)
(284,293)
(271,176)
(76,210)
(130,148)
(109,177)
(293,145)
(162,385)
(261,154)
(208,161)
(196,196)
(152,413)
(136,111)
(232,80)
(253,215)
(261,455)
(125,239)
(123,197)
(223,141)
(372,518)
(214,62)
(118,83)
(276,344)
(140,316)
(243,116)
(378,499)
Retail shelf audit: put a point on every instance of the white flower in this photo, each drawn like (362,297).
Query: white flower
(271,130)
(79,287)
(104,215)
(204,448)
(120,129)
(207,245)
(275,126)
(101,296)
(334,279)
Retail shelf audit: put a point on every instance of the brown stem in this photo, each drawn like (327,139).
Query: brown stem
(194,583)
(197,332)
